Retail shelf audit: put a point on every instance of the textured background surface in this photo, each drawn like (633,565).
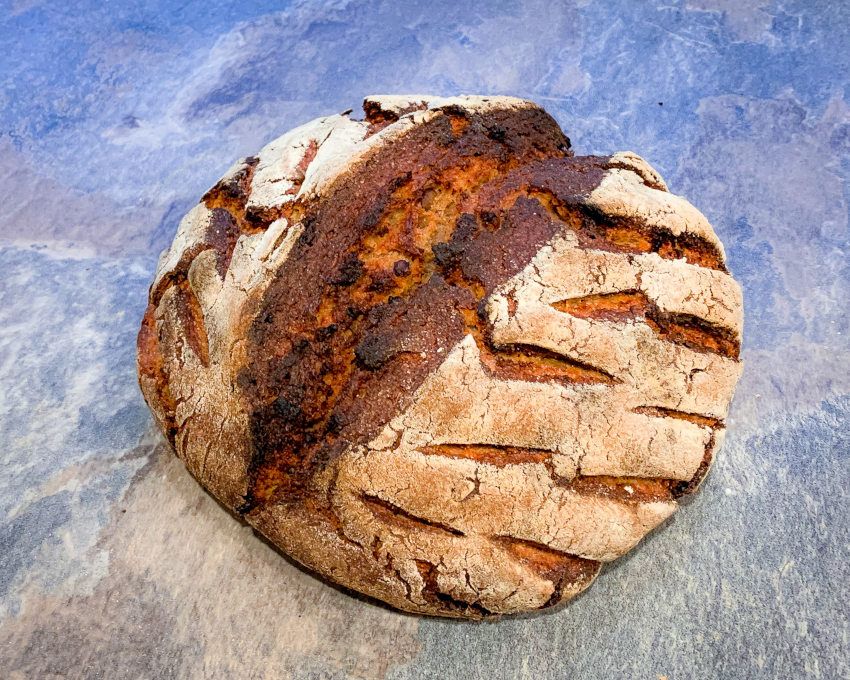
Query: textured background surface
(115,117)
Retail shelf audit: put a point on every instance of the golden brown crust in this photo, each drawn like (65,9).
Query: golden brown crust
(438,359)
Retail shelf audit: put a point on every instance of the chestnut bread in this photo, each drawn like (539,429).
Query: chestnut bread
(440,360)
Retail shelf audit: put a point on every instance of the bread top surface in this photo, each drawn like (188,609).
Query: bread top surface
(371,316)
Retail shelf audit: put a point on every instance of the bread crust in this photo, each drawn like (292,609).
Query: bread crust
(438,359)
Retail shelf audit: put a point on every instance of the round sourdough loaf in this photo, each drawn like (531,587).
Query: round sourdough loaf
(438,359)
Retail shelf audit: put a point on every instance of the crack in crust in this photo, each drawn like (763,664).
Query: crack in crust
(389,513)
(685,329)
(438,359)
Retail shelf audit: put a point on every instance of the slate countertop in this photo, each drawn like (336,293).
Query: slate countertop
(114,119)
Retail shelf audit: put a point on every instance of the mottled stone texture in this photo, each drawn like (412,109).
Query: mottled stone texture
(114,119)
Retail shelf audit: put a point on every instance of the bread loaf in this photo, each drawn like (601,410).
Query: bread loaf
(440,360)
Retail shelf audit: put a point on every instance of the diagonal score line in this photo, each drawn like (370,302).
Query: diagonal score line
(681,329)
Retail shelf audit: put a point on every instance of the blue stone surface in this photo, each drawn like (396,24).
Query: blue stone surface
(115,117)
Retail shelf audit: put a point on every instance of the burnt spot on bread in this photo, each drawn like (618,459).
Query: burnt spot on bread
(391,321)
(231,195)
(221,234)
(447,254)
(401,268)
(349,271)
(500,248)
(561,186)
(374,351)
(379,117)
(496,132)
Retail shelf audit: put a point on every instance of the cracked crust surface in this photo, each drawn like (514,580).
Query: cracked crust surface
(440,360)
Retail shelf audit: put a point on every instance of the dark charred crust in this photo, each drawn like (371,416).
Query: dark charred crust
(561,185)
(326,332)
(401,267)
(447,255)
(496,132)
(499,253)
(378,117)
(375,114)
(381,281)
(308,232)
(391,322)
(349,271)
(489,218)
(454,110)
(221,235)
(231,195)
(374,351)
